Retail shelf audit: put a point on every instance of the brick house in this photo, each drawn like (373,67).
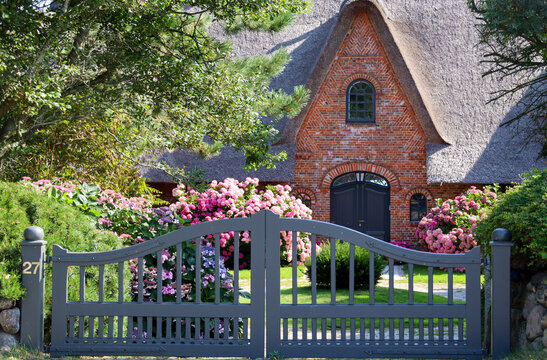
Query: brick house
(396,117)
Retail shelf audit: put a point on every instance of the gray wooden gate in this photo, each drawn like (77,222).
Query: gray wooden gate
(339,328)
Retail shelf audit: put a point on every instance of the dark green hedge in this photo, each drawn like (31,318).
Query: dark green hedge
(21,207)
(523,210)
(342,250)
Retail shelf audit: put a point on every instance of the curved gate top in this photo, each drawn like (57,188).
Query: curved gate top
(293,322)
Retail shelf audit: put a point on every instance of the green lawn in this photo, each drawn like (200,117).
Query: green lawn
(421,276)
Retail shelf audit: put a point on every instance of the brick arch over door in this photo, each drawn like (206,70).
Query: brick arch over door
(361,166)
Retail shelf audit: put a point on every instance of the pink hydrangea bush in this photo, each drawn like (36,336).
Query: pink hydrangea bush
(448,228)
(231,198)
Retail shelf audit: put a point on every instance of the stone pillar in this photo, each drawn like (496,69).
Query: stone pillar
(501,293)
(33,252)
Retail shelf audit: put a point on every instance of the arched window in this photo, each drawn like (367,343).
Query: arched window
(305,198)
(360,102)
(418,207)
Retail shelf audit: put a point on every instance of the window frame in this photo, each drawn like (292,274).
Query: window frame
(410,207)
(348,95)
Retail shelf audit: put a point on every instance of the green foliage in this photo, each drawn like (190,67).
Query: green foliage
(21,207)
(342,256)
(88,87)
(522,210)
(513,33)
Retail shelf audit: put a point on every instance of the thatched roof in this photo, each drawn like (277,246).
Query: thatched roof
(432,47)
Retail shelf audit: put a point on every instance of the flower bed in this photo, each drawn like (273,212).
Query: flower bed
(449,227)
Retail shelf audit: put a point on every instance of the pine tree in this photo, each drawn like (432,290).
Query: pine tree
(88,86)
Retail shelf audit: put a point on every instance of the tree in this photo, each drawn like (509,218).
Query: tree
(85,80)
(514,32)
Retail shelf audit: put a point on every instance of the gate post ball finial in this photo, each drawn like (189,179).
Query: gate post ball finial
(33,233)
(501,234)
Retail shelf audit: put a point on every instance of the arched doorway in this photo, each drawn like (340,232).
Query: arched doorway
(360,200)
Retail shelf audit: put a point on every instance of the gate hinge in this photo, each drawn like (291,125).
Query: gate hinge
(484,261)
(48,259)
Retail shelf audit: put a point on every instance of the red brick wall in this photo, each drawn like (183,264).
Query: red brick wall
(393,147)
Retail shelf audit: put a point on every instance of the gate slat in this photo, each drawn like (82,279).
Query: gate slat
(149,327)
(371,277)
(391,279)
(140,269)
(178,324)
(159,278)
(411,328)
(323,328)
(197,300)
(120,281)
(451,329)
(314,270)
(187,328)
(371,325)
(168,327)
(401,329)
(178,273)
(101,283)
(71,326)
(286,329)
(351,273)
(382,328)
(352,328)
(391,329)
(294,268)
(216,332)
(82,283)
(100,329)
(450,286)
(226,324)
(236,267)
(421,328)
(197,323)
(430,325)
(110,327)
(295,328)
(217,258)
(430,285)
(305,329)
(332,270)
(159,327)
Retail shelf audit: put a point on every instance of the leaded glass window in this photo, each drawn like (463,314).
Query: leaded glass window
(360,102)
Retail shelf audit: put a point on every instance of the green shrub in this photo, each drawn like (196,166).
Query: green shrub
(523,210)
(342,250)
(64,225)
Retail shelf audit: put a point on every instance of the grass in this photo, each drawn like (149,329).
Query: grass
(421,276)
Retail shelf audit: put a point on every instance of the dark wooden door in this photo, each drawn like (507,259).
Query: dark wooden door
(360,201)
